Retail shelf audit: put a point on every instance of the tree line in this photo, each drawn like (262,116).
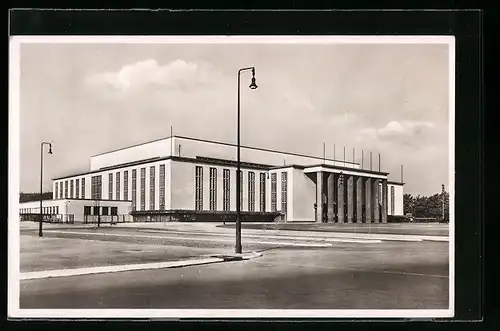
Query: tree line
(427,207)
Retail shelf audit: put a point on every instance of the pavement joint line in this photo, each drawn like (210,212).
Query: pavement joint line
(308,238)
(357,269)
(111,269)
(191,238)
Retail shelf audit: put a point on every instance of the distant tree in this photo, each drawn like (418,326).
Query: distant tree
(408,203)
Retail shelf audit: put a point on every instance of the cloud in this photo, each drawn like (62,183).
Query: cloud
(395,129)
(176,75)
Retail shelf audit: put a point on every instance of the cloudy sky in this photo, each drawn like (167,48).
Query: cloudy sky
(384,98)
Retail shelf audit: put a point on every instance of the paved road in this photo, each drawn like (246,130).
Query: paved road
(387,275)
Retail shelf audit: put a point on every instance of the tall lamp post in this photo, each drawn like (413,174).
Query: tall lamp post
(252,86)
(40,233)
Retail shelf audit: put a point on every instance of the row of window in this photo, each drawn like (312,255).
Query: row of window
(62,192)
(226,180)
(54,210)
(99,210)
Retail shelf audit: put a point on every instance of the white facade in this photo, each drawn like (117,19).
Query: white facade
(126,176)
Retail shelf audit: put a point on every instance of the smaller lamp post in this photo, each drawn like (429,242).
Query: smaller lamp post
(40,231)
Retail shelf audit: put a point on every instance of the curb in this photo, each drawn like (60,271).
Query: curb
(237,257)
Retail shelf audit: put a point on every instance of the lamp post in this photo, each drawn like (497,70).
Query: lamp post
(40,233)
(252,86)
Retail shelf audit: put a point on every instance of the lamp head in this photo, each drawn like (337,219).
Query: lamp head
(253,85)
(50,149)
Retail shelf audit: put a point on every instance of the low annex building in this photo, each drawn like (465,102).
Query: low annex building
(182,178)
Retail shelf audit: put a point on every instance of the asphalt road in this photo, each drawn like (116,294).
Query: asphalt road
(387,275)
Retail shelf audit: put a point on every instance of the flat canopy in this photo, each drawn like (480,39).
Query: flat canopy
(347,171)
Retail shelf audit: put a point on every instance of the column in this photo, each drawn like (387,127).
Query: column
(331,197)
(350,198)
(384,201)
(368,200)
(319,196)
(340,198)
(359,199)
(376,201)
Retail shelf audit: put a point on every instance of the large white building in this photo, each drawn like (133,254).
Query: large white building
(186,178)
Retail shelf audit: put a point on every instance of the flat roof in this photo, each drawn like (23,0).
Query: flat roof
(227,144)
(348,169)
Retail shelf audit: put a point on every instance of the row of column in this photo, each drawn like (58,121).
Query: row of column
(349,198)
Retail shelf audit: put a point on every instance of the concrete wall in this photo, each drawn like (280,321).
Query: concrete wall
(398,199)
(304,196)
(159,148)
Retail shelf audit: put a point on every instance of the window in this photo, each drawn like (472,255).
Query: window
(83,188)
(284,191)
(213,189)
(57,209)
(57,190)
(105,211)
(77,188)
(114,211)
(71,196)
(251,191)
(198,188)
(96,210)
(392,200)
(241,190)
(96,187)
(117,175)
(66,189)
(162,187)
(152,187)
(143,188)
(125,185)
(86,210)
(61,190)
(273,192)
(226,176)
(262,192)
(110,186)
(134,189)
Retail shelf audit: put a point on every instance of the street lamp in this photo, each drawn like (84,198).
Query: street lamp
(252,86)
(40,233)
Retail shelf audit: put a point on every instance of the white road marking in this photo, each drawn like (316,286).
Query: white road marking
(307,238)
(352,269)
(110,269)
(193,238)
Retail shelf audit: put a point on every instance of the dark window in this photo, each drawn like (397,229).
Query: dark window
(96,210)
(241,190)
(143,188)
(125,185)
(134,189)
(57,209)
(65,189)
(71,189)
(262,192)
(392,200)
(117,175)
(110,186)
(61,190)
(87,210)
(251,191)
(114,210)
(96,188)
(105,211)
(284,191)
(273,192)
(152,187)
(226,189)
(198,188)
(83,188)
(162,187)
(57,191)
(213,189)
(77,188)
